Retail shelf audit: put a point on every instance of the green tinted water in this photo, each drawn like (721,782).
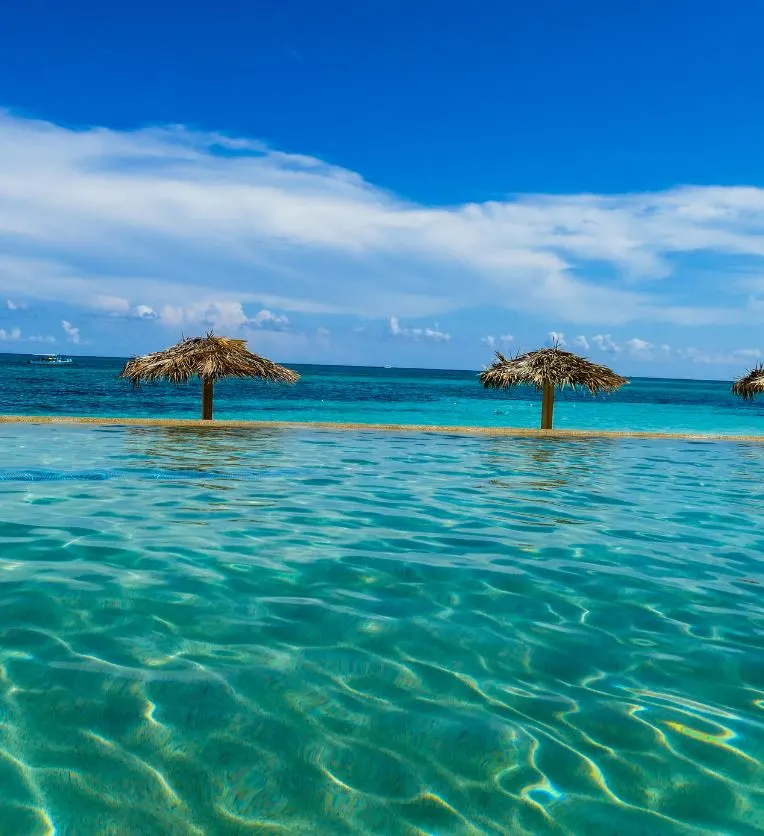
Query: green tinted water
(240,632)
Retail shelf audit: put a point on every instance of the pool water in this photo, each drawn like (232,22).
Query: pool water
(271,631)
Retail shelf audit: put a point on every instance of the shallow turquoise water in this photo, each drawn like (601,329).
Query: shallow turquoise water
(268,631)
(387,396)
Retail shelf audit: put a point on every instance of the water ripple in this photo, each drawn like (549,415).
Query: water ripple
(318,633)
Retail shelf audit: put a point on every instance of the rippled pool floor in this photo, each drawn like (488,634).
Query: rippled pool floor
(303,632)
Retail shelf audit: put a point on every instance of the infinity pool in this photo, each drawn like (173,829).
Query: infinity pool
(229,632)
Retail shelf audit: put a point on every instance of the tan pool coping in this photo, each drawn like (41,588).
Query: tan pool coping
(510,432)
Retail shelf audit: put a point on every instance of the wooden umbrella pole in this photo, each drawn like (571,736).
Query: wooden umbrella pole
(207,391)
(547,406)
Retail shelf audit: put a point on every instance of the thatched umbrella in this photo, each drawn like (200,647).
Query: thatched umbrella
(209,358)
(750,384)
(547,368)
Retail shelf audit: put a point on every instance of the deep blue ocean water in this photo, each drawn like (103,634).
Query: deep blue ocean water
(373,395)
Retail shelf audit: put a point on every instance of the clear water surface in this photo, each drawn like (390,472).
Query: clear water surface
(387,396)
(282,631)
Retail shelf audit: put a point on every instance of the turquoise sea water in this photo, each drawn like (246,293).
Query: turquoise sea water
(282,631)
(398,396)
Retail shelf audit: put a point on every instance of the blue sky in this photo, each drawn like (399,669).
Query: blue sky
(413,183)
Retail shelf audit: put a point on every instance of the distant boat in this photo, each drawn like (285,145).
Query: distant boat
(388,367)
(50,360)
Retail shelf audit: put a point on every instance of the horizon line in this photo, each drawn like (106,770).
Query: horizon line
(125,358)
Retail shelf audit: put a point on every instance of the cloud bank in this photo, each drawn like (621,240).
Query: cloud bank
(646,351)
(430,334)
(497,343)
(179,229)
(179,223)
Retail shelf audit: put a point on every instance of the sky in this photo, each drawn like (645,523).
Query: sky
(412,183)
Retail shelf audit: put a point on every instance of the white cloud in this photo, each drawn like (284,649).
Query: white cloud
(497,342)
(605,342)
(219,316)
(641,349)
(267,319)
(416,333)
(14,306)
(118,306)
(581,343)
(15,335)
(639,346)
(557,338)
(72,333)
(144,312)
(187,224)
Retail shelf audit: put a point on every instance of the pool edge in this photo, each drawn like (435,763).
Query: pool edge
(511,432)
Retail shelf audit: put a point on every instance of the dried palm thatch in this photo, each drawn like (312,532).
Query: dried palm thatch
(209,358)
(750,384)
(547,368)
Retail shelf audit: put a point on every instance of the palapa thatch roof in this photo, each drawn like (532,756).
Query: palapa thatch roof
(210,358)
(750,384)
(550,366)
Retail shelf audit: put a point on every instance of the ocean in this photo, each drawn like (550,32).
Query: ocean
(295,630)
(374,395)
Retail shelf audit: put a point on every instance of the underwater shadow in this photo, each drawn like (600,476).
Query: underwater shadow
(545,464)
(209,449)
